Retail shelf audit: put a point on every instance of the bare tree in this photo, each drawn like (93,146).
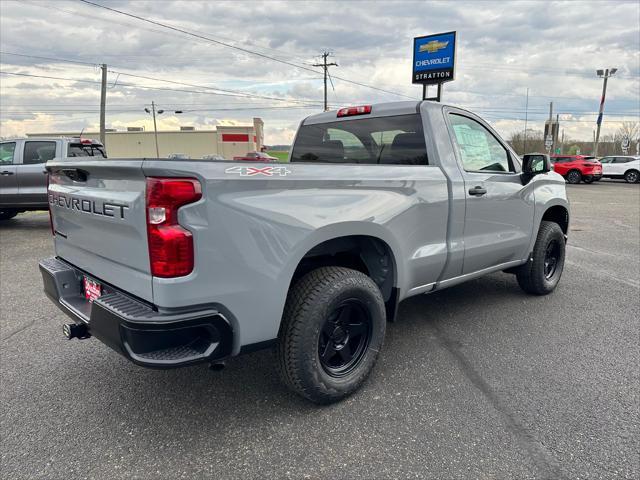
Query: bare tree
(628,129)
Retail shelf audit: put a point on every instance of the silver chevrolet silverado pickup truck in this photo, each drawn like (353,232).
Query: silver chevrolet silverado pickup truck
(171,263)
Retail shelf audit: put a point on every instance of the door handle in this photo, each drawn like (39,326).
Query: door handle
(477,191)
(6,172)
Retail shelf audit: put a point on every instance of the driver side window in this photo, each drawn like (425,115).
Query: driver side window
(479,150)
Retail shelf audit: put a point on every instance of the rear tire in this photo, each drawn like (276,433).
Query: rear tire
(541,274)
(574,177)
(632,176)
(332,330)
(8,213)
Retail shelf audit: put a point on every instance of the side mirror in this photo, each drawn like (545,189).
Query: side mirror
(535,164)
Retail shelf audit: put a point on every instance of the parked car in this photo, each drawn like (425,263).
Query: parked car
(178,156)
(23,178)
(577,168)
(177,264)
(214,158)
(621,166)
(257,157)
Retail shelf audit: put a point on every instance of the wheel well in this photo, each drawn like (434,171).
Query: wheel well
(369,255)
(559,215)
(632,170)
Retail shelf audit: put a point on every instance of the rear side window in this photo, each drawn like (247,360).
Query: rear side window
(396,140)
(85,150)
(38,152)
(6,153)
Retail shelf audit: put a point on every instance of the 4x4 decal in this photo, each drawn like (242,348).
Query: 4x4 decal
(246,171)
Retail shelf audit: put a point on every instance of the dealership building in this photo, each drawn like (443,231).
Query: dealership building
(135,142)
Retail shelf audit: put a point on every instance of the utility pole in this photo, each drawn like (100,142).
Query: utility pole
(103,103)
(555,137)
(549,130)
(325,67)
(602,74)
(526,118)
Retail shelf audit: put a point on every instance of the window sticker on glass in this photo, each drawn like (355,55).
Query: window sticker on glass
(474,147)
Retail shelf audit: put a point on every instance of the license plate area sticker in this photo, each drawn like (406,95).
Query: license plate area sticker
(92,289)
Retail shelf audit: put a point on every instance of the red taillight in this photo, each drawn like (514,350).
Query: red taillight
(170,245)
(351,111)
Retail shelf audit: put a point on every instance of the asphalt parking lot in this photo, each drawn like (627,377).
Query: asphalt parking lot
(478,381)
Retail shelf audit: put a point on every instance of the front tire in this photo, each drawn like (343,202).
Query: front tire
(574,177)
(632,176)
(541,274)
(332,330)
(8,213)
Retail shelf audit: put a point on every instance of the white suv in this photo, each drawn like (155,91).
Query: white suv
(620,166)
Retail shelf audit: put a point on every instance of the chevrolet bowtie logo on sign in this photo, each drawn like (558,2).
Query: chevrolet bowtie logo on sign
(433,46)
(434,58)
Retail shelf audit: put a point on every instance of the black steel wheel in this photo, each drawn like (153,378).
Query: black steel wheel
(344,338)
(541,274)
(551,258)
(331,333)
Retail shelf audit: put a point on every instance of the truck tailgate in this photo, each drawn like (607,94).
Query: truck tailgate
(99,221)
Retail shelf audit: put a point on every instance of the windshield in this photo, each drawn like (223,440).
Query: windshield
(85,150)
(382,140)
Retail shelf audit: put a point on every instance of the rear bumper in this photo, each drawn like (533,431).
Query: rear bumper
(136,329)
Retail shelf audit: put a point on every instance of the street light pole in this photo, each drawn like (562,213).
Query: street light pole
(602,74)
(155,127)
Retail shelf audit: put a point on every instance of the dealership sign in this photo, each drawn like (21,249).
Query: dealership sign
(434,58)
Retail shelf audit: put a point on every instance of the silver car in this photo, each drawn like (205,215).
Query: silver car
(23,178)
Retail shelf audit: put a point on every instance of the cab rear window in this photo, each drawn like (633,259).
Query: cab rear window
(395,140)
(85,150)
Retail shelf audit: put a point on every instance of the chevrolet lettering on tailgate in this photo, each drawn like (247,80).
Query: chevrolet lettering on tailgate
(88,206)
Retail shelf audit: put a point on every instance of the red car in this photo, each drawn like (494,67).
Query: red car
(257,157)
(576,168)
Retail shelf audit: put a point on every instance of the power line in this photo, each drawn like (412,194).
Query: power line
(147,87)
(235,47)
(78,62)
(239,92)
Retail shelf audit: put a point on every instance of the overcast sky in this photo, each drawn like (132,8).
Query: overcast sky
(551,48)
